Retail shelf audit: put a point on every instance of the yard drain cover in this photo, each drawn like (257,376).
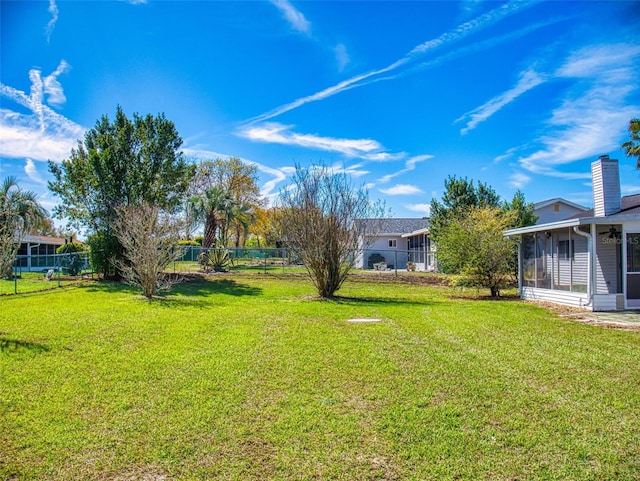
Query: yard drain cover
(364,319)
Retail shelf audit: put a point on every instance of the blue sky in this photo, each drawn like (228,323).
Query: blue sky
(520,95)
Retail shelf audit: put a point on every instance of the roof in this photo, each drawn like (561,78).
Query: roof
(396,226)
(43,239)
(630,212)
(545,203)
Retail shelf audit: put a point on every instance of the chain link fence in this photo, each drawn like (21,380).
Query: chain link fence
(41,272)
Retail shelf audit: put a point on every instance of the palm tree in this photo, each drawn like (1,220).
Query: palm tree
(632,147)
(19,213)
(212,209)
(242,215)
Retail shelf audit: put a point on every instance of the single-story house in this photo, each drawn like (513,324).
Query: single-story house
(396,242)
(37,252)
(590,259)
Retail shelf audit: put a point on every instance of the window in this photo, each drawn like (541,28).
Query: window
(393,243)
(556,207)
(565,250)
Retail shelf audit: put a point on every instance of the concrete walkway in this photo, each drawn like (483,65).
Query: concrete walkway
(621,319)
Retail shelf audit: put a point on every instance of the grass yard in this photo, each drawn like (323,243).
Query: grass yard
(248,377)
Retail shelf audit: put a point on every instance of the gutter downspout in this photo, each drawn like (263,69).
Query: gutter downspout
(590,280)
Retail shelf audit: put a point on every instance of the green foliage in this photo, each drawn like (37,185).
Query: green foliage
(125,162)
(474,245)
(217,258)
(632,146)
(460,195)
(184,242)
(19,213)
(72,263)
(102,247)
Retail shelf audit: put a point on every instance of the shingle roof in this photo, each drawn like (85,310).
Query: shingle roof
(630,205)
(396,226)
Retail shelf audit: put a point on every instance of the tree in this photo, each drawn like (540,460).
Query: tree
(521,214)
(19,213)
(632,147)
(149,238)
(320,213)
(460,195)
(127,162)
(524,215)
(240,182)
(474,242)
(212,208)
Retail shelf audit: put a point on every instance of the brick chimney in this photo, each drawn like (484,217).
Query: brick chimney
(606,186)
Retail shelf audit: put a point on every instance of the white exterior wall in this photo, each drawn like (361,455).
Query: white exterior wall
(381,246)
(548,213)
(575,299)
(607,263)
(606,187)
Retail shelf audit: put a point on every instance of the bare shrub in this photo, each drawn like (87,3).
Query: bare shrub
(320,224)
(149,238)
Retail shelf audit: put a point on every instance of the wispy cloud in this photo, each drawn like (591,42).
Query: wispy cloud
(519,180)
(463,30)
(587,123)
(32,172)
(273,132)
(424,209)
(43,134)
(528,80)
(342,56)
(409,165)
(53,10)
(401,189)
(293,16)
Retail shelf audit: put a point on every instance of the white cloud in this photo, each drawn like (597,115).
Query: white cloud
(424,209)
(272,132)
(401,189)
(293,16)
(528,80)
(519,180)
(463,30)
(409,165)
(44,134)
(587,121)
(53,10)
(342,56)
(32,172)
(52,87)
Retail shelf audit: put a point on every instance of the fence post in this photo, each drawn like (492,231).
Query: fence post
(395,263)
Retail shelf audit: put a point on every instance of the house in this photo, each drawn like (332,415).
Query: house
(396,242)
(555,209)
(590,259)
(37,253)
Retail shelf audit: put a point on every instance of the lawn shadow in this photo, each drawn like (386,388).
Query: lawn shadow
(13,345)
(387,301)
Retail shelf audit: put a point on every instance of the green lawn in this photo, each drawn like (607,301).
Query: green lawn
(250,377)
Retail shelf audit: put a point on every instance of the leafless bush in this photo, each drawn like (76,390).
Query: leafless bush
(320,224)
(149,239)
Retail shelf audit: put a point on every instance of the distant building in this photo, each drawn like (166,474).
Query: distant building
(37,252)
